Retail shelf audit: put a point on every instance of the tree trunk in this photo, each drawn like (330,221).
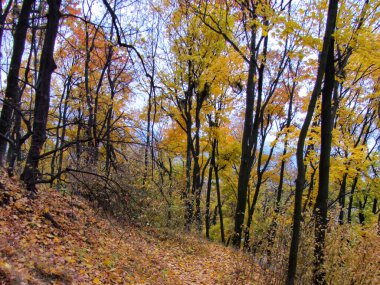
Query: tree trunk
(187,195)
(273,226)
(253,133)
(108,126)
(216,170)
(15,152)
(197,187)
(342,198)
(41,110)
(12,97)
(64,127)
(251,211)
(59,139)
(246,146)
(300,181)
(362,205)
(351,199)
(197,181)
(320,209)
(208,192)
(78,147)
(308,201)
(3,18)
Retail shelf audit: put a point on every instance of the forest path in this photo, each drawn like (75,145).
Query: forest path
(61,239)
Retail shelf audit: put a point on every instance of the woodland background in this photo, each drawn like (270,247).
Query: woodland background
(253,123)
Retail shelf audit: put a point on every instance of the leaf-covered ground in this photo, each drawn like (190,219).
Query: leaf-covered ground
(60,239)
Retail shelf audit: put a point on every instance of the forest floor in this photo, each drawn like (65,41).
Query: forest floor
(61,239)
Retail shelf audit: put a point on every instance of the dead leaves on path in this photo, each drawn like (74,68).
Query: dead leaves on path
(60,239)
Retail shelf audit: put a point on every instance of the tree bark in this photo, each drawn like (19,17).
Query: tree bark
(62,120)
(216,170)
(351,199)
(12,97)
(187,195)
(41,110)
(3,18)
(246,146)
(208,192)
(342,198)
(197,180)
(300,180)
(320,209)
(15,152)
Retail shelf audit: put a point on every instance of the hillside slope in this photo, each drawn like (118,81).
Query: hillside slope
(60,239)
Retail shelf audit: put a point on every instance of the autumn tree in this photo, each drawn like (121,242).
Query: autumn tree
(198,53)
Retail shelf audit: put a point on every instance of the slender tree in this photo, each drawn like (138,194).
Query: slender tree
(300,180)
(12,96)
(3,17)
(41,110)
(320,207)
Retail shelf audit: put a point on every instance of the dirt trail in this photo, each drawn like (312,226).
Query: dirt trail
(60,239)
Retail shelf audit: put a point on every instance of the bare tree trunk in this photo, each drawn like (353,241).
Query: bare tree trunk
(308,201)
(342,198)
(320,209)
(59,139)
(187,195)
(92,104)
(246,146)
(108,126)
(216,170)
(150,122)
(208,192)
(362,205)
(41,111)
(197,180)
(249,145)
(277,208)
(260,173)
(251,211)
(15,152)
(12,97)
(351,199)
(300,181)
(3,18)
(64,123)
